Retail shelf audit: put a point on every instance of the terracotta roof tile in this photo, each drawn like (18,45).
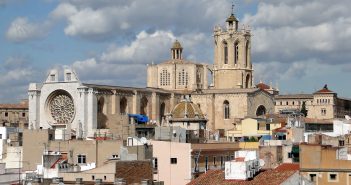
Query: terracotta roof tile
(269,177)
(14,106)
(262,86)
(288,166)
(324,90)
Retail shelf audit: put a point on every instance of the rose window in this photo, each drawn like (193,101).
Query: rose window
(62,109)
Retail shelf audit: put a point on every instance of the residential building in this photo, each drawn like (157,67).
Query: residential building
(14,115)
(325,164)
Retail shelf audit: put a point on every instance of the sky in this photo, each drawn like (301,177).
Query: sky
(297,45)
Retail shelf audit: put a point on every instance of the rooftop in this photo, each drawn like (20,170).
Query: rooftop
(269,177)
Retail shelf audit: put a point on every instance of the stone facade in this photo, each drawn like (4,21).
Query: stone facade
(232,56)
(14,115)
(323,104)
(177,73)
(85,110)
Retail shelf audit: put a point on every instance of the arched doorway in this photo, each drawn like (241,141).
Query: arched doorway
(261,110)
(143,105)
(123,104)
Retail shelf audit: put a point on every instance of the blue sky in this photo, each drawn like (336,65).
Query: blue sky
(299,45)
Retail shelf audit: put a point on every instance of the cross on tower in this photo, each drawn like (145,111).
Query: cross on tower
(233,7)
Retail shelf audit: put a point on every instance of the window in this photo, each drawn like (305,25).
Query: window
(289,155)
(287,103)
(214,160)
(225,49)
(293,102)
(341,143)
(82,159)
(222,161)
(23,114)
(196,164)
(323,111)
(68,76)
(173,160)
(226,109)
(92,177)
(236,53)
(183,77)
(155,164)
(6,114)
(268,126)
(105,177)
(313,177)
(206,163)
(281,103)
(165,78)
(333,177)
(247,54)
(52,78)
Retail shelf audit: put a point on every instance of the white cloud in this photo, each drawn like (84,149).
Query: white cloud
(291,31)
(63,10)
(126,65)
(96,21)
(17,73)
(22,30)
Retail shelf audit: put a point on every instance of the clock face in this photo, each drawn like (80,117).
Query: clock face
(62,109)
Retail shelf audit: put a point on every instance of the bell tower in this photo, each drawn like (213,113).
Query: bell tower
(232,56)
(176,50)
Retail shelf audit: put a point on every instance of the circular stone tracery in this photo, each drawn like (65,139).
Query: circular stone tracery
(62,109)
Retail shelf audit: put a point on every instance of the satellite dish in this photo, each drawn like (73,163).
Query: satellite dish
(261,162)
(347,117)
(143,140)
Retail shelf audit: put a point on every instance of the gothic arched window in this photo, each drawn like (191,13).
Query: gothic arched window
(236,52)
(247,54)
(226,109)
(225,54)
(261,110)
(123,104)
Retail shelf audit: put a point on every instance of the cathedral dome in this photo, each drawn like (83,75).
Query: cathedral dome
(177,45)
(186,109)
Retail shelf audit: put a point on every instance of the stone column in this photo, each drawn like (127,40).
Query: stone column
(205,80)
(34,108)
(154,106)
(135,102)
(92,112)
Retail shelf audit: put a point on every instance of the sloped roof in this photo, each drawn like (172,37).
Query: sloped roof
(262,86)
(294,96)
(325,90)
(269,177)
(22,105)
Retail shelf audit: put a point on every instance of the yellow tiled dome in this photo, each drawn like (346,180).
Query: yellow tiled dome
(187,109)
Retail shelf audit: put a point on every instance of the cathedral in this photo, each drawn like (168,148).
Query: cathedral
(82,110)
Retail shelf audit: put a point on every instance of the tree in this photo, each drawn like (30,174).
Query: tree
(303,109)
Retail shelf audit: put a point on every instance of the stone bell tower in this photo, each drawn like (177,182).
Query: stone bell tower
(232,56)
